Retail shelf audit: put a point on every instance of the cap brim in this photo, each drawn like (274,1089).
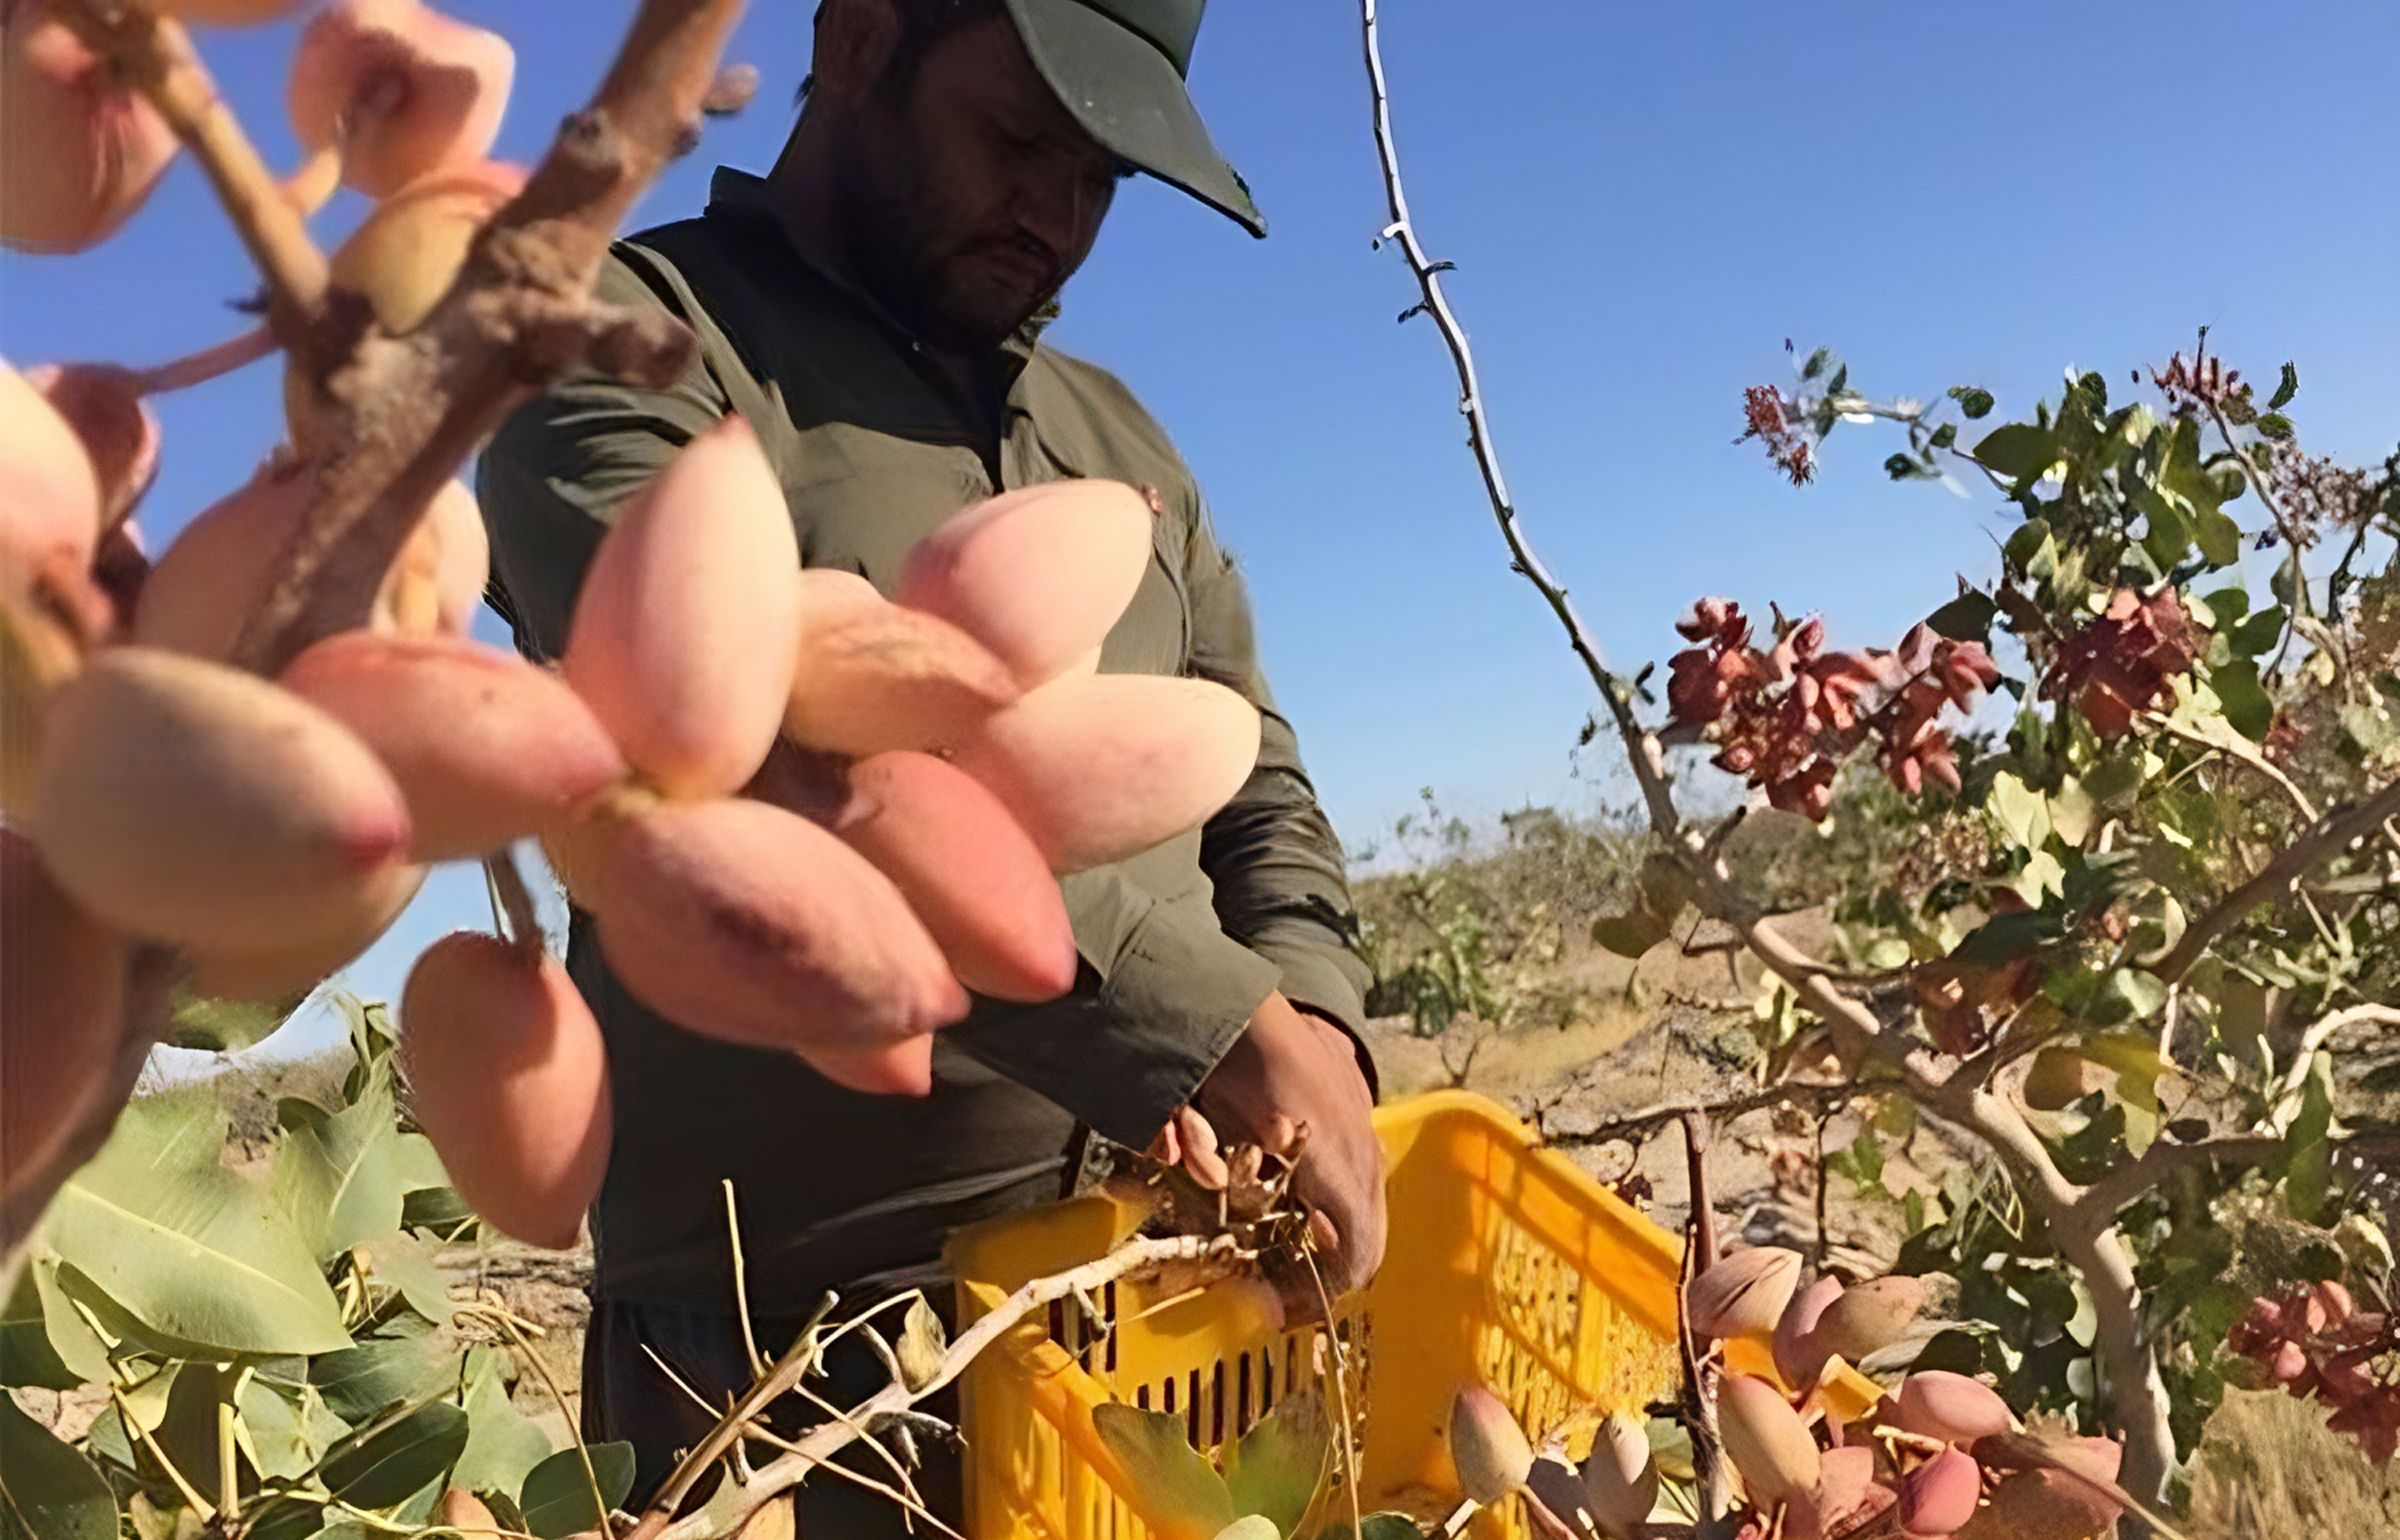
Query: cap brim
(1129,98)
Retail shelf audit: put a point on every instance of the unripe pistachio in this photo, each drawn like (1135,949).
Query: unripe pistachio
(401,89)
(872,676)
(1037,576)
(689,622)
(1487,1447)
(62,995)
(1103,768)
(1951,1407)
(511,1082)
(1620,1480)
(969,872)
(103,405)
(50,500)
(1870,1316)
(1799,1354)
(1767,1441)
(1743,1293)
(1939,1497)
(204,807)
(83,149)
(743,922)
(408,253)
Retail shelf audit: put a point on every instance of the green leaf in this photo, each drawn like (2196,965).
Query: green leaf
(407,1263)
(557,1498)
(340,1178)
(420,1165)
(2245,700)
(47,1490)
(2308,1168)
(2004,938)
(2257,634)
(274,1431)
(1816,363)
(2276,426)
(1967,618)
(503,1444)
(2019,810)
(2285,389)
(1254,1527)
(2220,539)
(1276,1467)
(186,1247)
(2114,783)
(1973,401)
(2073,813)
(29,1353)
(391,1461)
(2018,450)
(220,1026)
(1629,935)
(2129,994)
(1178,1485)
(362,1383)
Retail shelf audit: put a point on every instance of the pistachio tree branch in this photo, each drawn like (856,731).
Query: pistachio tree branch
(1816,1095)
(2332,833)
(2138,1396)
(393,417)
(818,1445)
(154,54)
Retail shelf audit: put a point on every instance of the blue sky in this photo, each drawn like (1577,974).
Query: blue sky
(1643,202)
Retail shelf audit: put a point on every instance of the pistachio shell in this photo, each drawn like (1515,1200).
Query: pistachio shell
(744,922)
(1847,1494)
(690,618)
(1037,576)
(487,748)
(104,406)
(402,89)
(1487,1446)
(50,500)
(62,1004)
(1870,1316)
(193,804)
(1743,1293)
(969,872)
(37,655)
(1103,768)
(2043,1505)
(465,1512)
(1767,1441)
(1940,1496)
(223,566)
(510,1079)
(872,676)
(408,253)
(1799,1355)
(1951,1407)
(1620,1480)
(83,149)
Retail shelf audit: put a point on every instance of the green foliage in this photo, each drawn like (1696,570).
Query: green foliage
(272,1308)
(1271,1476)
(1477,929)
(2180,724)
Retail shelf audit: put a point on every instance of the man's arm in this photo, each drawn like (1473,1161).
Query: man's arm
(1280,889)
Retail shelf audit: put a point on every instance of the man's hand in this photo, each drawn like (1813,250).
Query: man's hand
(1289,1069)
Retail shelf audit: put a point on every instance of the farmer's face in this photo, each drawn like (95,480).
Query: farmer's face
(975,195)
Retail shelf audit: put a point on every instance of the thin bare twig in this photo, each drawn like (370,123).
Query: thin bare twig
(207,364)
(1819,1096)
(154,54)
(820,1444)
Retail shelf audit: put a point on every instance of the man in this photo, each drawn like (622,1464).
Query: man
(866,306)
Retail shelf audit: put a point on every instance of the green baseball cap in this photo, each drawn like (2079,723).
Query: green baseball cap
(1118,66)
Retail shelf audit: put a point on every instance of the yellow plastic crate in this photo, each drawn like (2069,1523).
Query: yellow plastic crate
(1507,1266)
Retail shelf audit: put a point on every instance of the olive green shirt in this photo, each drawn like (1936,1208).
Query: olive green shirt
(875,447)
